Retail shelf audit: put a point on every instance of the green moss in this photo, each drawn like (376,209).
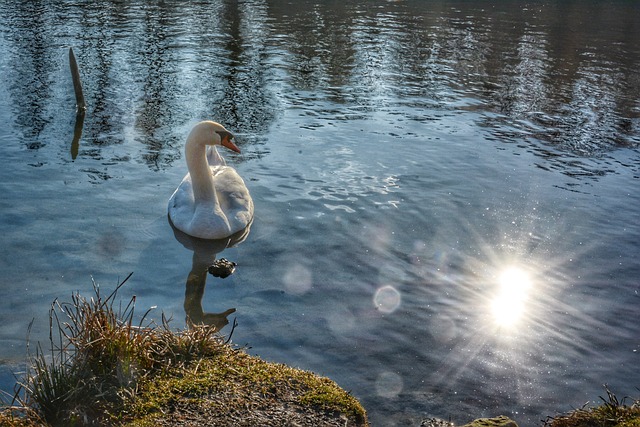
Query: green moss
(500,421)
(326,394)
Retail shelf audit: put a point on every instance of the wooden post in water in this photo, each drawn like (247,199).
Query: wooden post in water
(80,105)
(77,85)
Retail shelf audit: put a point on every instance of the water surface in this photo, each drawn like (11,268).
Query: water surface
(402,157)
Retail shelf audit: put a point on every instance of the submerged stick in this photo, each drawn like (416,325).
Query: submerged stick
(77,85)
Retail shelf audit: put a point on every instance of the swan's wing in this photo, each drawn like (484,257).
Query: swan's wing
(181,203)
(233,196)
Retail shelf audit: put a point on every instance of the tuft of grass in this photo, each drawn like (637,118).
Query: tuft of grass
(96,353)
(97,357)
(611,413)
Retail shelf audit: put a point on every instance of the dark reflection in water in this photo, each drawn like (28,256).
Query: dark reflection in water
(560,73)
(204,254)
(29,73)
(575,96)
(240,94)
(77,133)
(159,81)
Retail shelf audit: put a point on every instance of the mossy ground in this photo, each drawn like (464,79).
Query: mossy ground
(234,384)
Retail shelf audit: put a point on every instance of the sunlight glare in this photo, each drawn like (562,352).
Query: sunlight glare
(508,306)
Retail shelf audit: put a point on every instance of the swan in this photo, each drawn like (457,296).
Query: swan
(212,201)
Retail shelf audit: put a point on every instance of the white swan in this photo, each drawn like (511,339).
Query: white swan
(212,201)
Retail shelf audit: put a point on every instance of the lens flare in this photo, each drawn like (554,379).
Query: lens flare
(389,384)
(509,304)
(297,279)
(387,299)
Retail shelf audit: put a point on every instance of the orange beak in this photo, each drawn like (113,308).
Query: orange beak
(226,142)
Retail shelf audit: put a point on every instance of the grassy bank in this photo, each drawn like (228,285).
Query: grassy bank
(106,366)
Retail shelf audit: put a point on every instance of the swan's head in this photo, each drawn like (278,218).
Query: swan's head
(213,133)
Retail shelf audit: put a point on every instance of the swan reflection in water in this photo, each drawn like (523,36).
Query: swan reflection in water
(204,255)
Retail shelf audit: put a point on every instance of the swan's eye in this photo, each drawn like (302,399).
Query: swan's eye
(224,135)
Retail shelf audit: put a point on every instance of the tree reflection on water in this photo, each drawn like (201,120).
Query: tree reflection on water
(561,73)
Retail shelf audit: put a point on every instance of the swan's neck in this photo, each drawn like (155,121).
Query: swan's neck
(203,189)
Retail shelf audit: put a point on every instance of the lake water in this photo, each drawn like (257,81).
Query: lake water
(446,192)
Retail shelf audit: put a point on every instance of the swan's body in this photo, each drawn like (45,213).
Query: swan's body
(212,201)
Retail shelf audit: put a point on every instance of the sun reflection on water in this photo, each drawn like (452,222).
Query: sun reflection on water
(509,304)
